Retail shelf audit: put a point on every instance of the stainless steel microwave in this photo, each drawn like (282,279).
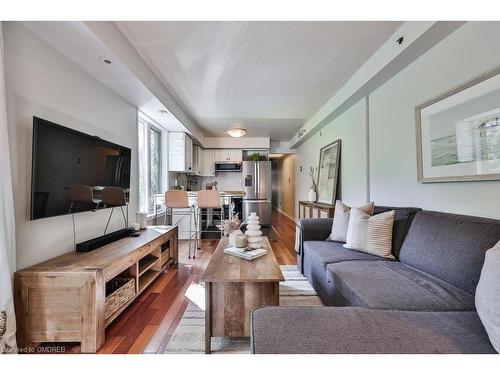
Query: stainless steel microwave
(227,166)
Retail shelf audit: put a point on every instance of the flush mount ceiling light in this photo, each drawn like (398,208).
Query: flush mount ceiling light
(236,132)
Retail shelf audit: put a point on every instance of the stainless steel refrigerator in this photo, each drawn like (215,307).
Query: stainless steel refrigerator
(257,186)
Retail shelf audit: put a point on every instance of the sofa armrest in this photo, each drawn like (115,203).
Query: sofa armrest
(315,229)
(310,230)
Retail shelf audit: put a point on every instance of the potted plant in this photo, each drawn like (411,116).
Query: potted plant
(231,227)
(255,156)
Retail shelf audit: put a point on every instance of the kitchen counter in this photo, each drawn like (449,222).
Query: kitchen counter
(227,198)
(223,194)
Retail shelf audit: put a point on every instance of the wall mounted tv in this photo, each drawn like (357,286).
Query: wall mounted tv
(70,170)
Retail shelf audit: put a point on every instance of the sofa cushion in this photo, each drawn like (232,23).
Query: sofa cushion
(310,330)
(488,295)
(393,285)
(317,254)
(326,252)
(402,220)
(450,247)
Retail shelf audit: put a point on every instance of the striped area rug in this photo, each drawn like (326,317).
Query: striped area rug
(189,335)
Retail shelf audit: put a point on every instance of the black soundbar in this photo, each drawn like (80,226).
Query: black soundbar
(97,242)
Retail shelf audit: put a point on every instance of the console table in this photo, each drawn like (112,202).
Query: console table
(315,210)
(74,297)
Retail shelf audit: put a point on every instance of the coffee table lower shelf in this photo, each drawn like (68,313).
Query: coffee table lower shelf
(229,306)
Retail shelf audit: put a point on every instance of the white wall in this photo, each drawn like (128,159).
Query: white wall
(42,82)
(226,181)
(466,53)
(350,127)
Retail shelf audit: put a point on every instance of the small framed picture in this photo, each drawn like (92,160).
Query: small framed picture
(328,172)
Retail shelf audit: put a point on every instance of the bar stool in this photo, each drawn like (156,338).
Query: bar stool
(114,197)
(81,195)
(209,200)
(178,200)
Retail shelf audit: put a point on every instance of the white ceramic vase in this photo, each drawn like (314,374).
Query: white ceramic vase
(232,237)
(312,195)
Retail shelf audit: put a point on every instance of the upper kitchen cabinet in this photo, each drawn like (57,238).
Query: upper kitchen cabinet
(208,162)
(197,160)
(228,155)
(180,152)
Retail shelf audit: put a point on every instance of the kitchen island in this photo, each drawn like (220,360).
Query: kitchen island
(228,198)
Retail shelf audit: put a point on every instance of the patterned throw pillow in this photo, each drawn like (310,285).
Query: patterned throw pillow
(371,234)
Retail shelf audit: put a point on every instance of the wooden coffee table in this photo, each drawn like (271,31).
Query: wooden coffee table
(234,287)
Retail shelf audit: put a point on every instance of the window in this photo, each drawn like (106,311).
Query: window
(150,163)
(154,166)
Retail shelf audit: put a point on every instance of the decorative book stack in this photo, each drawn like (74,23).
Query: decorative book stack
(253,231)
(245,253)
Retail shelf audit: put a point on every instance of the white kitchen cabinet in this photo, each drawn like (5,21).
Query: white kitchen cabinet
(228,154)
(197,160)
(208,162)
(180,152)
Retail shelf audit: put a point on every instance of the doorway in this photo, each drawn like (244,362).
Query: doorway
(283,183)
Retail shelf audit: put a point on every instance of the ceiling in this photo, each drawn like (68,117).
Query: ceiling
(270,77)
(75,41)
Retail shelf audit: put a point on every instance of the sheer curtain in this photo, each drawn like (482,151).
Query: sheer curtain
(7,222)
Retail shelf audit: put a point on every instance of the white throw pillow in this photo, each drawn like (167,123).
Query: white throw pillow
(488,295)
(340,223)
(371,234)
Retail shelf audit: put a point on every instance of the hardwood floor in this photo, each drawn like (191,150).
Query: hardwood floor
(147,324)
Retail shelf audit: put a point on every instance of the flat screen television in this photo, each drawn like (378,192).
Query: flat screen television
(70,169)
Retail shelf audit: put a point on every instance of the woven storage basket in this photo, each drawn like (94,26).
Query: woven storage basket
(120,296)
(164,256)
(3,323)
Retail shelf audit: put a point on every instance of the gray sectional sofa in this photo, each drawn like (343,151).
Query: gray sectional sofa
(422,302)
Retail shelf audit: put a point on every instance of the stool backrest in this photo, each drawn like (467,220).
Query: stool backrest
(176,199)
(80,193)
(113,196)
(209,199)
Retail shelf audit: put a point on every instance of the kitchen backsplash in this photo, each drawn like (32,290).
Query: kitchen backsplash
(226,181)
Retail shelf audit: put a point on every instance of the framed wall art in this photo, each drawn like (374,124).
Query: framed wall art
(328,172)
(458,132)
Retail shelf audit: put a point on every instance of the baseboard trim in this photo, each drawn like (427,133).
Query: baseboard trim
(284,213)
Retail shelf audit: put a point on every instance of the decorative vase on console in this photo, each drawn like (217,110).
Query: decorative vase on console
(253,232)
(312,195)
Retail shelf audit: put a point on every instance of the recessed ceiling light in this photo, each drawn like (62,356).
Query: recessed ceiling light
(236,132)
(163,111)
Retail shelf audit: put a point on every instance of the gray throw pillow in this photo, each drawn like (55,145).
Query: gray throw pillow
(341,220)
(488,295)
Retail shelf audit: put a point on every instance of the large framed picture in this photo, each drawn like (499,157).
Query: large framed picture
(458,132)
(328,172)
